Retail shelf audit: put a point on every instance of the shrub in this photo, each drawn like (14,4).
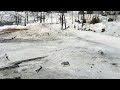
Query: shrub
(95,20)
(110,19)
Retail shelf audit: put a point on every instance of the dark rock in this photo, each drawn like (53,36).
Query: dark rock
(89,29)
(38,69)
(65,63)
(74,26)
(114,63)
(102,53)
(103,30)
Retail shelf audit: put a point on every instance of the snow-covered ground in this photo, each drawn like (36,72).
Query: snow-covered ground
(90,54)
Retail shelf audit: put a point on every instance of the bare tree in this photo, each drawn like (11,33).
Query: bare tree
(37,15)
(83,18)
(41,17)
(51,17)
(63,20)
(26,16)
(72,17)
(16,17)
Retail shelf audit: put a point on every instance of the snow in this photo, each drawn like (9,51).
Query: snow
(82,49)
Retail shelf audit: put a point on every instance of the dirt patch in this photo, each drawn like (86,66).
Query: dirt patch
(11,30)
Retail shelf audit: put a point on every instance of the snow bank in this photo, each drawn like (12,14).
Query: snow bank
(40,31)
(12,27)
(111,28)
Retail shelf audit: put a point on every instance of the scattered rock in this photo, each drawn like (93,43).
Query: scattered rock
(38,69)
(101,52)
(17,77)
(4,58)
(13,78)
(85,29)
(13,37)
(24,69)
(65,63)
(7,57)
(15,71)
(104,61)
(103,30)
(114,63)
(89,29)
